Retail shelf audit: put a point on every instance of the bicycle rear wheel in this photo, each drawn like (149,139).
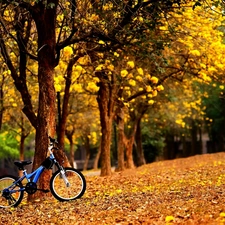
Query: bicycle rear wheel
(68,187)
(7,197)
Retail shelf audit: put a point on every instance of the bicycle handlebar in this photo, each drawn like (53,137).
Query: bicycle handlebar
(53,143)
(53,140)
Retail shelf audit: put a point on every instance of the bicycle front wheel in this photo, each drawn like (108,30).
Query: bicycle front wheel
(68,184)
(10,195)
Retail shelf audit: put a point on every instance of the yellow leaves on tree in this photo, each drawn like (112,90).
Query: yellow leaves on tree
(130,64)
(92,87)
(67,52)
(198,45)
(124,73)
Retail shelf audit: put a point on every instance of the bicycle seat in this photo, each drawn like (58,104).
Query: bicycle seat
(21,164)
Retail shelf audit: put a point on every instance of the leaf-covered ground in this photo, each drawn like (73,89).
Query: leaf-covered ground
(181,191)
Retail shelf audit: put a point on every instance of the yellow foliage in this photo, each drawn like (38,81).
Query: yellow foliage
(95,17)
(180,122)
(132,82)
(150,102)
(58,87)
(140,71)
(116,54)
(141,19)
(78,69)
(77,87)
(99,67)
(160,88)
(108,6)
(148,88)
(154,80)
(154,93)
(195,52)
(67,51)
(101,42)
(139,78)
(92,87)
(130,64)
(110,67)
(148,76)
(130,75)
(83,60)
(123,73)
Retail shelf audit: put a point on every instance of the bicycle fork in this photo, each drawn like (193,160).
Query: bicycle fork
(63,174)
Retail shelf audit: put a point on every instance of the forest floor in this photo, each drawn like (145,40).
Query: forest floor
(182,191)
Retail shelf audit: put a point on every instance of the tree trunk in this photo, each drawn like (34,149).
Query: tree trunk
(1,101)
(97,157)
(120,150)
(193,139)
(129,153)
(88,152)
(45,20)
(169,150)
(69,136)
(106,107)
(62,122)
(22,141)
(139,149)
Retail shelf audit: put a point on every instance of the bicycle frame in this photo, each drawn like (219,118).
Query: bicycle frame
(35,174)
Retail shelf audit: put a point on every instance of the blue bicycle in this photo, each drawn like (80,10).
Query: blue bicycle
(65,184)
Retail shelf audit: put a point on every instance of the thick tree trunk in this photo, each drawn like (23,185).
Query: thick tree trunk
(45,19)
(105,102)
(120,150)
(105,148)
(45,126)
(129,153)
(138,137)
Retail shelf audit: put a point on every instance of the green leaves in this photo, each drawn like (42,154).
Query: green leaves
(8,146)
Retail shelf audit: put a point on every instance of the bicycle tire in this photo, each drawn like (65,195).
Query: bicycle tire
(11,200)
(63,192)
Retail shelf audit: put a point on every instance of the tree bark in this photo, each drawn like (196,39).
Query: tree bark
(106,95)
(193,139)
(138,137)
(69,136)
(129,152)
(97,157)
(45,20)
(120,150)
(88,153)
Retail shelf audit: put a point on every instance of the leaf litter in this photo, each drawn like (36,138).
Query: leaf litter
(181,191)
